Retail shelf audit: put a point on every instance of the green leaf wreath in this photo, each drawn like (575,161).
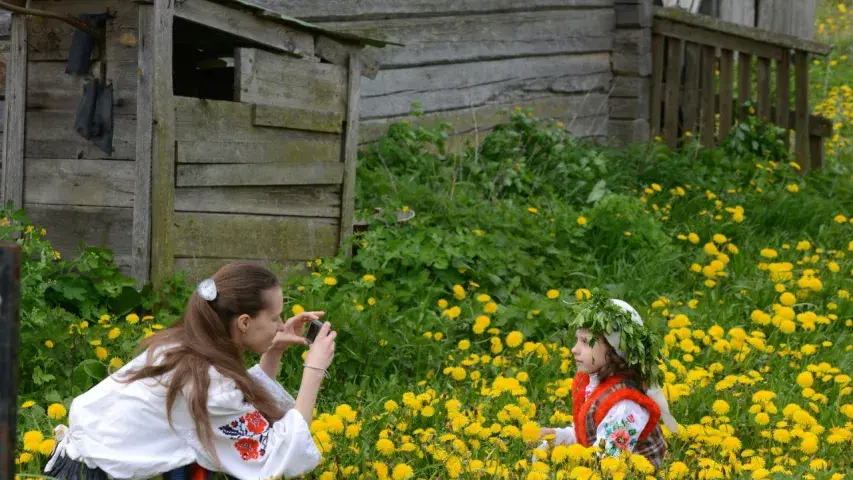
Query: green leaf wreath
(640,344)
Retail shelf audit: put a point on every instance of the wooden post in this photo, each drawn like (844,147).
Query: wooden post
(656,102)
(763,83)
(350,149)
(709,110)
(801,106)
(726,92)
(692,53)
(141,249)
(744,84)
(673,91)
(783,93)
(14,121)
(10,304)
(163,145)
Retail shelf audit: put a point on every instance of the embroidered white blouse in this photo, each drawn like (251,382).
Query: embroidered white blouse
(122,429)
(621,427)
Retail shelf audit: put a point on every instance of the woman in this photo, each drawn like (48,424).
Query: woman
(188,399)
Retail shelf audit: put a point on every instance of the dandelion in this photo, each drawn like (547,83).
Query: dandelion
(514,339)
(116,363)
(581,221)
(32,440)
(56,411)
(553,294)
(330,281)
(28,404)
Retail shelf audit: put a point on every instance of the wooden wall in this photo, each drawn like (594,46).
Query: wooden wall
(260,180)
(464,59)
(75,190)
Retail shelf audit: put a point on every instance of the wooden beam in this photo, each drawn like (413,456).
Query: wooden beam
(258,174)
(727,73)
(783,94)
(657,82)
(141,248)
(744,85)
(740,33)
(350,150)
(10,292)
(338,53)
(247,26)
(675,51)
(763,85)
(14,131)
(801,107)
(708,86)
(163,145)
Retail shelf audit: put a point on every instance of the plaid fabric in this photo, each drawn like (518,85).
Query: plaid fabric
(653,447)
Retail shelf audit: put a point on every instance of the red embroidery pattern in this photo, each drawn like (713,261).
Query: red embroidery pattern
(250,433)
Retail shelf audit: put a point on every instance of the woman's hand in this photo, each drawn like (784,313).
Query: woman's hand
(322,351)
(293,332)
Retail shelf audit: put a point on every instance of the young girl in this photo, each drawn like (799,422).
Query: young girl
(613,406)
(189,401)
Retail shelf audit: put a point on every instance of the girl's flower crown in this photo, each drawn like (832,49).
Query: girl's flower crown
(638,345)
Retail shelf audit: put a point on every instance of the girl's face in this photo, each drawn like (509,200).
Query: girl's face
(589,359)
(257,333)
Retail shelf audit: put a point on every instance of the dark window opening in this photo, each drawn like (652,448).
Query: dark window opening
(203,61)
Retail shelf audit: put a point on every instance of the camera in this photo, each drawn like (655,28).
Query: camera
(313,329)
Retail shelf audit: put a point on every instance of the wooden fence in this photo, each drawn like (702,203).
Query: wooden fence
(686,96)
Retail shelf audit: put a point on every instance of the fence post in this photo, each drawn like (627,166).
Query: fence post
(10,304)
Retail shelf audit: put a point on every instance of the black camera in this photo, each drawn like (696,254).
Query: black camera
(313,329)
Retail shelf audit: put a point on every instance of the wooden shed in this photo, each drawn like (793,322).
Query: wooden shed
(234,132)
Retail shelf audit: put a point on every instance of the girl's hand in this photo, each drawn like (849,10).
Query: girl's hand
(293,332)
(322,351)
(545,431)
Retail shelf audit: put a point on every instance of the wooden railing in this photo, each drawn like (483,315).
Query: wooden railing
(686,96)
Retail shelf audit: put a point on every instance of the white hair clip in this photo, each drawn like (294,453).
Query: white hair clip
(207,289)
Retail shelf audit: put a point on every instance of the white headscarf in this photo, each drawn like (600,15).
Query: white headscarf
(654,391)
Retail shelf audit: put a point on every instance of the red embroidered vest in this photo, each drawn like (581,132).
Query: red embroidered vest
(589,411)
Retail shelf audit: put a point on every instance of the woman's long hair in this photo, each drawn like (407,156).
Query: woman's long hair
(202,339)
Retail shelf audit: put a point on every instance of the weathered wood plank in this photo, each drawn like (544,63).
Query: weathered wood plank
(789,18)
(744,84)
(258,174)
(14,115)
(102,227)
(283,238)
(315,11)
(338,53)
(763,86)
(816,152)
(52,135)
(631,51)
(801,102)
(585,109)
(673,91)
(657,83)
(50,39)
(198,269)
(266,78)
(79,182)
(719,39)
(350,153)
(294,201)
(447,87)
(708,86)
(783,94)
(246,25)
(634,14)
(162,144)
(726,92)
(219,123)
(141,240)
(739,33)
(50,88)
(692,64)
(297,118)
(625,86)
(284,150)
(463,38)
(629,108)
